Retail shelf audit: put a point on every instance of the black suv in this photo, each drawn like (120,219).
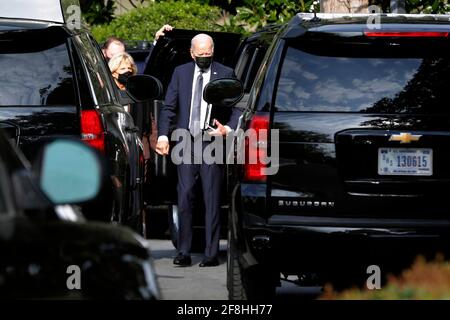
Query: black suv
(57,84)
(45,242)
(358,134)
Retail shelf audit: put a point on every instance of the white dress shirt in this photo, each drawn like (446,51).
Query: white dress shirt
(204,105)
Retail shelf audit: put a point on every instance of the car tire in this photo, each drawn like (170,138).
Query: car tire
(198,233)
(144,224)
(255,283)
(172,216)
(234,278)
(134,213)
(156,222)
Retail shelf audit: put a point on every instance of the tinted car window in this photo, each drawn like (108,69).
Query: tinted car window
(94,69)
(84,94)
(104,72)
(244,62)
(248,65)
(363,81)
(35,75)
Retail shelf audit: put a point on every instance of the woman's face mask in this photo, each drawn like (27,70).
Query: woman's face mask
(123,77)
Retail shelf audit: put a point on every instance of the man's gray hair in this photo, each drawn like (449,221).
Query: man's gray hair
(201,37)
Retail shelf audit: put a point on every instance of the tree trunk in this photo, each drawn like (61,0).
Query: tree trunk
(344,6)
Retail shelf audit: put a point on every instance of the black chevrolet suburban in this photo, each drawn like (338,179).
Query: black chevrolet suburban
(353,171)
(56,83)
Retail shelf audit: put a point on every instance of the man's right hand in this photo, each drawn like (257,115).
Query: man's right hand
(162,148)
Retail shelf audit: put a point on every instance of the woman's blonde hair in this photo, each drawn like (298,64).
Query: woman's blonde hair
(117,59)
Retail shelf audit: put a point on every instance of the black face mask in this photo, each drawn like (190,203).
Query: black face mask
(203,62)
(123,78)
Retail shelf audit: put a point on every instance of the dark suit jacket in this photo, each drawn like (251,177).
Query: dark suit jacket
(177,104)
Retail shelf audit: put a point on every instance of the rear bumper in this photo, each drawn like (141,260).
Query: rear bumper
(291,243)
(377,225)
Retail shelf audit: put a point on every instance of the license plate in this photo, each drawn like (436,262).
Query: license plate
(405,162)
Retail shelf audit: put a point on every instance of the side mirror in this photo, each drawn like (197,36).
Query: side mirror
(70,172)
(144,87)
(224,92)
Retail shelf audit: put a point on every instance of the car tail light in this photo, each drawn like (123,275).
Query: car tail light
(418,34)
(256,148)
(92,131)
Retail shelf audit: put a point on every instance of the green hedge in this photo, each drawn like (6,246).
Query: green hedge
(142,23)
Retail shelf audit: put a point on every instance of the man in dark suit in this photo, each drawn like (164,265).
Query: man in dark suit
(184,102)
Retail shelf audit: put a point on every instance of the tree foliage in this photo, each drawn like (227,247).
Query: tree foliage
(250,15)
(242,16)
(142,23)
(98,11)
(427,6)
(255,14)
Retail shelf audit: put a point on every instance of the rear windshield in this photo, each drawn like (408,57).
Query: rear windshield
(35,71)
(375,80)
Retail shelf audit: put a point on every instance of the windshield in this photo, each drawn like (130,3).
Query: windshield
(353,80)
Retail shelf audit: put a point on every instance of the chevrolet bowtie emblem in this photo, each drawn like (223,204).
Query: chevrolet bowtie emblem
(404,137)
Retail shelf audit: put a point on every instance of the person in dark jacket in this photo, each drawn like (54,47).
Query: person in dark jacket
(184,102)
(114,45)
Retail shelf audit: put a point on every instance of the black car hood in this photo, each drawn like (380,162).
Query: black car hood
(35,258)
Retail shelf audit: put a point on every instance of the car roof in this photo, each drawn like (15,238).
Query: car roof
(10,24)
(41,10)
(331,22)
(41,14)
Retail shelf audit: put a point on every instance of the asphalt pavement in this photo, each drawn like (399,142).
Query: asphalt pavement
(188,283)
(195,283)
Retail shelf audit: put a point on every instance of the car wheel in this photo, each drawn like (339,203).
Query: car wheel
(234,279)
(198,233)
(134,215)
(255,283)
(156,221)
(145,231)
(172,215)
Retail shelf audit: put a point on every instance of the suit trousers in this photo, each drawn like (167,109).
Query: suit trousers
(210,176)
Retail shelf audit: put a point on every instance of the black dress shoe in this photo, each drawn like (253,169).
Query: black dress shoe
(209,262)
(182,260)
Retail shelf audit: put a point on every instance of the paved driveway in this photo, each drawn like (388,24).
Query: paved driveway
(195,283)
(188,283)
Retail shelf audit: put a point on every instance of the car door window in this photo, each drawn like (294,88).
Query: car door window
(85,96)
(94,70)
(103,68)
